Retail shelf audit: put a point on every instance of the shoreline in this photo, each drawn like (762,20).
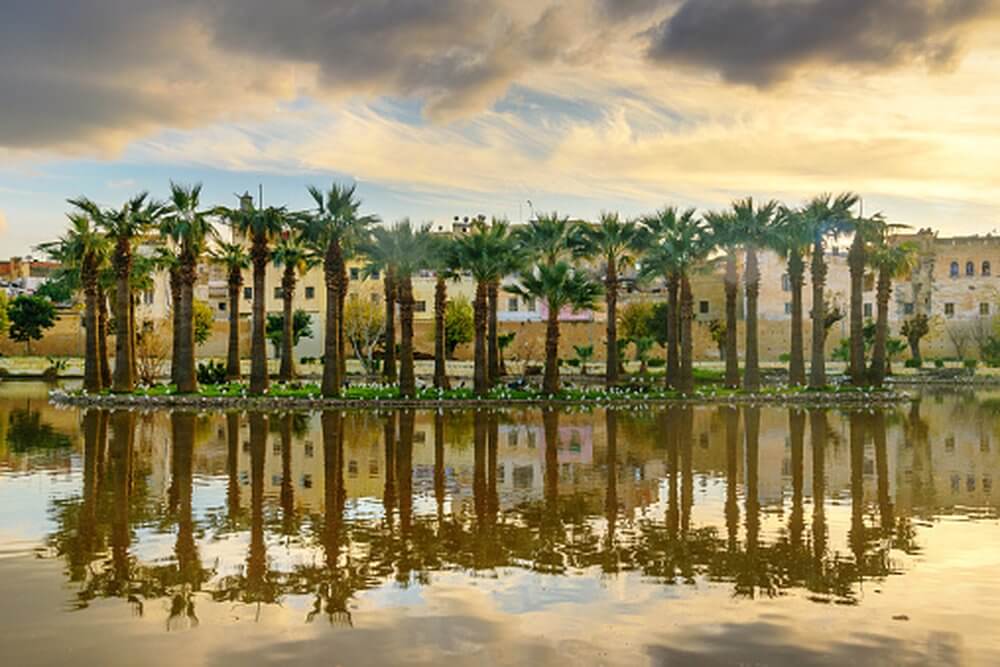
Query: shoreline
(848,399)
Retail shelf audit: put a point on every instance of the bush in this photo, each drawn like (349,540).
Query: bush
(212,372)
(784,357)
(657,362)
(970,364)
(939,363)
(913,363)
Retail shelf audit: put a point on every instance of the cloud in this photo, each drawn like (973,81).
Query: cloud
(762,42)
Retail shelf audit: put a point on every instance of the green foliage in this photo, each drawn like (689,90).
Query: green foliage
(57,365)
(913,363)
(4,312)
(459,324)
(275,329)
(27,431)
(970,365)
(59,289)
(203,319)
(30,316)
(635,320)
(211,373)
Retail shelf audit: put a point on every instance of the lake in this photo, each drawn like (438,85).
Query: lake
(715,535)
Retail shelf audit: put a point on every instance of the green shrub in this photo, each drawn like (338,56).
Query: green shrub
(657,362)
(913,363)
(970,364)
(212,372)
(939,363)
(784,357)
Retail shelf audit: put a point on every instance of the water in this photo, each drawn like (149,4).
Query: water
(711,535)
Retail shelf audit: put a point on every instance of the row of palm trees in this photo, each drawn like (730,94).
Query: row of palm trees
(564,264)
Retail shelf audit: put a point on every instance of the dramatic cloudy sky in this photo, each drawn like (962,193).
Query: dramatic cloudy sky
(444,107)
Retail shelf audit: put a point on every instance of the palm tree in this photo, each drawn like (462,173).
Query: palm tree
(754,225)
(334,227)
(509,262)
(890,260)
(673,240)
(547,238)
(83,250)
(296,257)
(725,236)
(167,259)
(262,226)
(234,259)
(444,262)
(123,227)
(477,253)
(616,242)
(190,229)
(825,216)
(403,251)
(865,231)
(560,285)
(792,239)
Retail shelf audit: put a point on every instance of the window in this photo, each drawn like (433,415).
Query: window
(703,307)
(512,304)
(374,275)
(310,292)
(908,308)
(970,269)
(355,273)
(147,297)
(248,293)
(786,283)
(868,310)
(984,309)
(310,450)
(277,292)
(953,270)
(222,306)
(420,306)
(788,308)
(949,309)
(352,469)
(307,481)
(529,305)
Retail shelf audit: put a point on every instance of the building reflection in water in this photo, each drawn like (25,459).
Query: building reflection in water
(735,497)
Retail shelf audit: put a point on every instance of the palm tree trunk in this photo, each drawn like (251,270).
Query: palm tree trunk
(102,338)
(258,347)
(91,363)
(493,349)
(479,311)
(345,281)
(133,335)
(882,294)
(389,358)
(175,319)
(796,360)
(331,338)
(286,371)
(672,323)
(751,373)
(856,266)
(186,378)
(440,360)
(611,355)
(817,366)
(407,381)
(732,352)
(124,380)
(550,385)
(233,352)
(686,380)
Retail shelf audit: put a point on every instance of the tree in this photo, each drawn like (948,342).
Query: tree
(755,225)
(725,235)
(866,231)
(913,330)
(561,286)
(150,353)
(719,332)
(335,226)
(204,319)
(793,236)
(825,216)
(890,261)
(402,251)
(444,262)
(29,317)
(301,328)
(234,259)
(4,310)
(636,320)
(676,243)
(364,326)
(262,226)
(123,227)
(459,327)
(189,228)
(291,253)
(82,253)
(616,243)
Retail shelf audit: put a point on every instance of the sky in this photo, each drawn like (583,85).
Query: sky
(437,108)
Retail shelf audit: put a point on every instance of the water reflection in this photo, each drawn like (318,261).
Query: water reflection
(324,507)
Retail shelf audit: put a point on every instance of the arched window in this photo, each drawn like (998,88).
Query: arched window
(987,270)
(970,268)
(953,270)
